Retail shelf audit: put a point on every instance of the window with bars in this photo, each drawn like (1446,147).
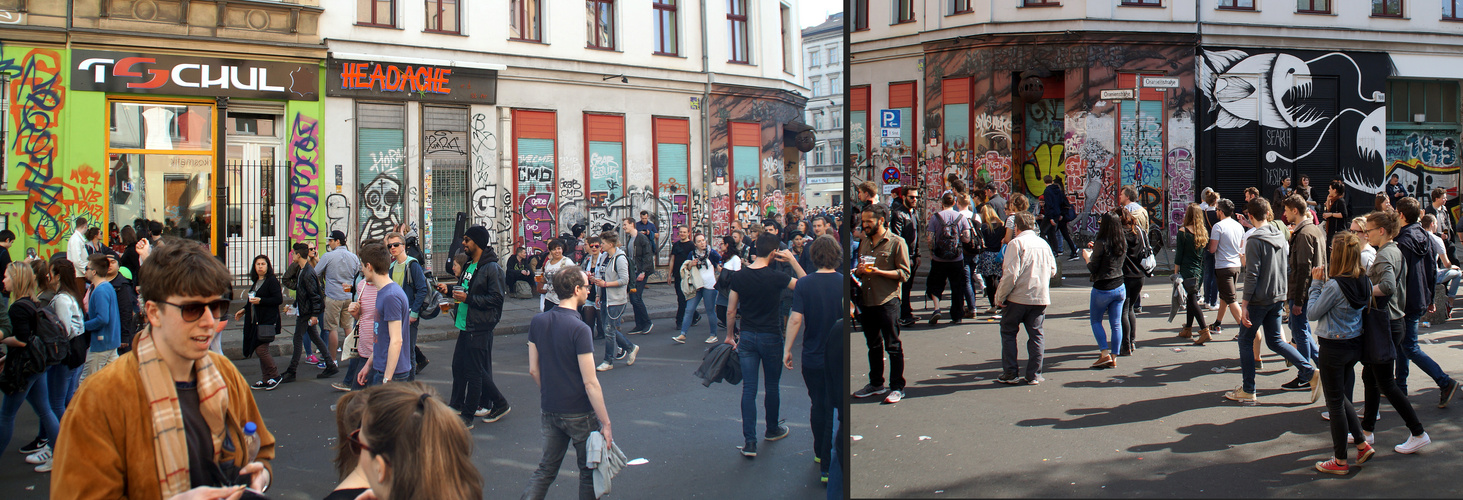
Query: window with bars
(525,21)
(737,31)
(1450,10)
(443,16)
(666,29)
(1237,4)
(376,13)
(959,6)
(1386,8)
(600,25)
(903,11)
(1437,101)
(1313,6)
(860,15)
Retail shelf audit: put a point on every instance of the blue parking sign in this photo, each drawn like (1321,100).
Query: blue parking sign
(889,118)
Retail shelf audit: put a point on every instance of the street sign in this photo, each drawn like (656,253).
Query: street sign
(1109,95)
(889,118)
(889,132)
(891,175)
(1160,83)
(890,142)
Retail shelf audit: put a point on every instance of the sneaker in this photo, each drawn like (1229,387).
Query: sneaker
(469,423)
(1296,385)
(35,446)
(1035,379)
(906,322)
(1446,393)
(1241,396)
(320,365)
(1364,453)
(329,372)
(39,457)
(935,318)
(1008,378)
(680,339)
(604,367)
(893,397)
(713,339)
(497,413)
(481,412)
(749,450)
(283,379)
(870,390)
(1333,467)
(620,354)
(630,358)
(1316,386)
(312,359)
(273,383)
(1073,257)
(259,385)
(45,467)
(340,386)
(1413,444)
(780,432)
(1370,438)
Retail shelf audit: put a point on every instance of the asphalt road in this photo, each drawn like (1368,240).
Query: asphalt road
(661,412)
(1156,426)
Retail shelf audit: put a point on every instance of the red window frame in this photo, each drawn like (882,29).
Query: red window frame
(1234,5)
(736,19)
(1309,6)
(959,7)
(903,8)
(523,128)
(669,131)
(667,32)
(906,95)
(860,15)
(1401,9)
(859,101)
(376,22)
(603,127)
(1041,3)
(1143,3)
(521,15)
(440,9)
(593,32)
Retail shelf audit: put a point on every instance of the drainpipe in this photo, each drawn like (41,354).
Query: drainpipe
(1198,112)
(705,121)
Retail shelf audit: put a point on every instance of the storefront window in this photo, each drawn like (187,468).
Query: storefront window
(161,167)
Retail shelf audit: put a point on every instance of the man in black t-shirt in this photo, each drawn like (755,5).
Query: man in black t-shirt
(561,360)
(818,303)
(756,292)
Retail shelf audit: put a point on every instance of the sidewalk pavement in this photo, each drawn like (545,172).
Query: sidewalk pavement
(660,302)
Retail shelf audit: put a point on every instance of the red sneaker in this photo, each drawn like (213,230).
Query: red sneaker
(1333,467)
(1364,452)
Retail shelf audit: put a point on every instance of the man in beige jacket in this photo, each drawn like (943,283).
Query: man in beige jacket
(1024,292)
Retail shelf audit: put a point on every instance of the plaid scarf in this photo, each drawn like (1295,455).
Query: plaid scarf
(169,440)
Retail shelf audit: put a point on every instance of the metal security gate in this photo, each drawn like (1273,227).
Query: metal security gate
(255,217)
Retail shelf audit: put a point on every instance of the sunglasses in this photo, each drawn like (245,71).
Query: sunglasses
(193,311)
(393,245)
(355,438)
(594,246)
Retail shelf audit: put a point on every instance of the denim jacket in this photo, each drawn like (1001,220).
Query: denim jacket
(1335,318)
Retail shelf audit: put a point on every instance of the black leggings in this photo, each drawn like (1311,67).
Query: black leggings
(1338,357)
(1191,287)
(1133,287)
(991,282)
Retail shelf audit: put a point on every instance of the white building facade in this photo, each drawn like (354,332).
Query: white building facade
(532,121)
(1168,96)
(823,56)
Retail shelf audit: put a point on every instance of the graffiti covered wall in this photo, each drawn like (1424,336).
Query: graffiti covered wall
(1424,159)
(1092,144)
(757,187)
(1275,114)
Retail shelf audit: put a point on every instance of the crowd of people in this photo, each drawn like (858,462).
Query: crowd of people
(1365,281)
(129,344)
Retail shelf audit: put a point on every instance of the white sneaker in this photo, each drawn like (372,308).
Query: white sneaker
(713,339)
(39,457)
(45,467)
(604,367)
(893,397)
(1370,438)
(482,412)
(1413,444)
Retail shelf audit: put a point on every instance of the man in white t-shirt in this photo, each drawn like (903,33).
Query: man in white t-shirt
(1225,240)
(1447,272)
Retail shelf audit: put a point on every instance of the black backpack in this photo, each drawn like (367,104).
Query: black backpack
(946,245)
(52,336)
(434,297)
(976,244)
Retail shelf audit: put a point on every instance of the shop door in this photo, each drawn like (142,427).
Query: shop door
(256,179)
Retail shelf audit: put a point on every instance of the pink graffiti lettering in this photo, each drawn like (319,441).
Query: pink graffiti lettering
(538,221)
(305,154)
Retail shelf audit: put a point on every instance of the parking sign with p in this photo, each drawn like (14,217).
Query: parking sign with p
(889,118)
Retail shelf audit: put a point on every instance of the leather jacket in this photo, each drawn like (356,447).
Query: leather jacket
(901,223)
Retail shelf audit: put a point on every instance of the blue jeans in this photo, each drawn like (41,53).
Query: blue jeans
(637,304)
(1450,275)
(1300,333)
(62,382)
(1211,282)
(1269,317)
(1110,302)
(759,350)
(835,467)
(354,367)
(706,297)
(38,394)
(1410,350)
(609,320)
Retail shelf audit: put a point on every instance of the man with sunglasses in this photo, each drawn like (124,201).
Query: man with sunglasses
(310,300)
(168,416)
(102,322)
(407,272)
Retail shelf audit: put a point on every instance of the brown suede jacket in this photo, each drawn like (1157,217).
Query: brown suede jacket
(107,448)
(1307,250)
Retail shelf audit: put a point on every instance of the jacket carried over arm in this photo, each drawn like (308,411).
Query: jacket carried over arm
(108,451)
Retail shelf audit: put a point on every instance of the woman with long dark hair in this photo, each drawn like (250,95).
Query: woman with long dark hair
(261,311)
(988,263)
(1188,264)
(1104,256)
(1133,275)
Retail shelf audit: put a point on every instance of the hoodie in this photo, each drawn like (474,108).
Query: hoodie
(1336,305)
(1421,268)
(485,293)
(1265,253)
